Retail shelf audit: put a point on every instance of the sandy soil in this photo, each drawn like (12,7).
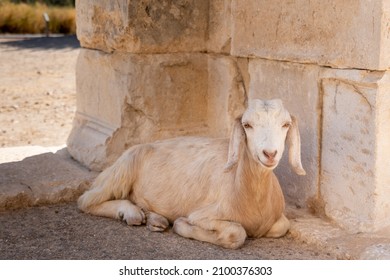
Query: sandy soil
(37,89)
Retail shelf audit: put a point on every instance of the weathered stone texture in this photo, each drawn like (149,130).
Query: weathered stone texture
(219,26)
(354,185)
(226,94)
(150,26)
(127,99)
(341,34)
(42,179)
(382,134)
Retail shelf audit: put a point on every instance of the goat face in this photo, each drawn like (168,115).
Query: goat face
(266,126)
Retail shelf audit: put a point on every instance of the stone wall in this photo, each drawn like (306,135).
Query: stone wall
(157,69)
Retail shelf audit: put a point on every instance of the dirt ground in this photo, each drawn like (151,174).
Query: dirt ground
(37,87)
(62,232)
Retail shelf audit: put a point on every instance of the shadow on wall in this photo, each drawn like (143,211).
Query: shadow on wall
(42,43)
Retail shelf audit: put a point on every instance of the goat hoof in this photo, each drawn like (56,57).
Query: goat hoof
(156,222)
(156,228)
(182,227)
(134,218)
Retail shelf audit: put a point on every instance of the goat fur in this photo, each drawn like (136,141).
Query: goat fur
(187,181)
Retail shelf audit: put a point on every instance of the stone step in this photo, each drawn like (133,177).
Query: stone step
(338,241)
(31,176)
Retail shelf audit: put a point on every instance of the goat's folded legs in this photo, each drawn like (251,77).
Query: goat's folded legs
(279,228)
(119,209)
(227,234)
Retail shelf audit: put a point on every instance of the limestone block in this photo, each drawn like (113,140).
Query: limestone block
(226,94)
(297,85)
(341,34)
(45,178)
(355,176)
(150,26)
(219,27)
(126,99)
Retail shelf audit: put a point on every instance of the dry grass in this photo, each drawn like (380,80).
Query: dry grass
(24,18)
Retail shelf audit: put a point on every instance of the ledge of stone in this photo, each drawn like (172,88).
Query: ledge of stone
(42,177)
(341,243)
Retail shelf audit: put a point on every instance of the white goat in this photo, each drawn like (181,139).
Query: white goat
(185,181)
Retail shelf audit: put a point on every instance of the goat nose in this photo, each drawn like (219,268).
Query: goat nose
(270,154)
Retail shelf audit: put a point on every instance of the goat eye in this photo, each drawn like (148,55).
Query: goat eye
(287,125)
(247,125)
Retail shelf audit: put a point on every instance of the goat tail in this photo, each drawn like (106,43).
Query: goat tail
(116,181)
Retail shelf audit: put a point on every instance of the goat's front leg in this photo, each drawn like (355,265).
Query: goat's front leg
(227,234)
(119,209)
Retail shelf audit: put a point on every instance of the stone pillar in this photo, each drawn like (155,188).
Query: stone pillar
(144,74)
(355,158)
(124,99)
(157,69)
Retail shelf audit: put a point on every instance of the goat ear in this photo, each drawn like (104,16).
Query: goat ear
(294,143)
(236,139)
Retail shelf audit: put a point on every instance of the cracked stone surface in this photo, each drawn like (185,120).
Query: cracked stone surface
(42,179)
